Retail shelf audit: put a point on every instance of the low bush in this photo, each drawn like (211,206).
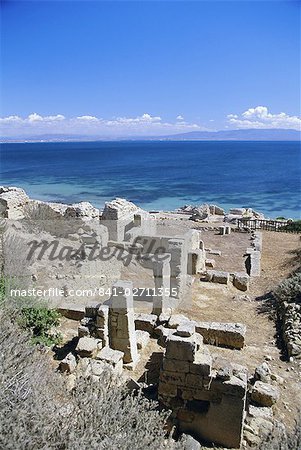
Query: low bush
(36,411)
(289,290)
(41,321)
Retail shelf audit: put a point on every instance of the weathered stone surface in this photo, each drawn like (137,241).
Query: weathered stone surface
(143,338)
(175,365)
(186,329)
(122,333)
(87,347)
(210,263)
(163,333)
(263,373)
(72,312)
(260,411)
(202,363)
(180,348)
(102,324)
(176,320)
(12,202)
(201,212)
(208,407)
(68,364)
(83,331)
(253,263)
(216,210)
(84,210)
(215,252)
(113,358)
(264,394)
(220,277)
(189,443)
(222,334)
(98,367)
(145,322)
(241,281)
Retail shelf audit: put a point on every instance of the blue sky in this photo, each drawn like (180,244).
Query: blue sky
(156,67)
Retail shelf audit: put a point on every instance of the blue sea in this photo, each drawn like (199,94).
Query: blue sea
(160,175)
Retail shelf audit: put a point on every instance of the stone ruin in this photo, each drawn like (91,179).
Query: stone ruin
(208,403)
(207,396)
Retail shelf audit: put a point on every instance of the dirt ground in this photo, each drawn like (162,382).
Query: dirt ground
(220,303)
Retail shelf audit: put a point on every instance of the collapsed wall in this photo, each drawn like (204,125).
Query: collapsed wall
(207,402)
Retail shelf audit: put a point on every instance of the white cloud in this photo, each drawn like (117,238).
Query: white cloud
(88,118)
(180,117)
(145,124)
(260,117)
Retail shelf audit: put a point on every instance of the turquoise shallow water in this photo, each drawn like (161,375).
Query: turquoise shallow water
(160,174)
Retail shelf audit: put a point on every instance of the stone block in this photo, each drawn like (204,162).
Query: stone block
(163,333)
(174,378)
(202,364)
(175,365)
(145,322)
(215,252)
(264,394)
(194,380)
(68,364)
(186,329)
(241,281)
(181,348)
(220,277)
(176,320)
(142,338)
(260,411)
(210,263)
(230,335)
(263,372)
(167,390)
(83,331)
(87,347)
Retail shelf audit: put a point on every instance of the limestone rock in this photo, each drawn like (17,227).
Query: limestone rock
(84,210)
(87,347)
(83,331)
(68,364)
(145,322)
(12,202)
(201,212)
(189,443)
(210,263)
(176,320)
(216,210)
(260,411)
(143,338)
(186,329)
(264,394)
(263,373)
(222,334)
(241,281)
(181,348)
(114,358)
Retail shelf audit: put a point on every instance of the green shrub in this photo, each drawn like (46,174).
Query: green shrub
(41,321)
(293,226)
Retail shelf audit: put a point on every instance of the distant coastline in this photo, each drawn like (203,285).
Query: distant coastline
(222,135)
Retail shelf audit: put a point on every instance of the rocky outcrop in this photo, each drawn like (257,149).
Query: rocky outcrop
(12,202)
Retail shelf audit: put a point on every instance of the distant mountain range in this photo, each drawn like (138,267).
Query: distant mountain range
(224,135)
(240,135)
